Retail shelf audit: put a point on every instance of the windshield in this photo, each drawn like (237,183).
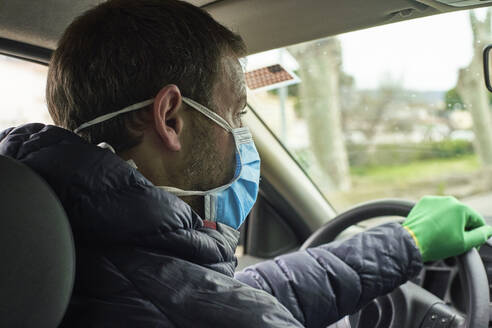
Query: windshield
(396,111)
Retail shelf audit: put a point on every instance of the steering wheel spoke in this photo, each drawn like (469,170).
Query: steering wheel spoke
(415,307)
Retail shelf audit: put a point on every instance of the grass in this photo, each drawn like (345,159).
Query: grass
(415,171)
(411,181)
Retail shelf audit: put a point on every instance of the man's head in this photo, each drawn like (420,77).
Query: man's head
(126,51)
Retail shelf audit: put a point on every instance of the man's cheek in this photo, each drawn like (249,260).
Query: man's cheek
(228,155)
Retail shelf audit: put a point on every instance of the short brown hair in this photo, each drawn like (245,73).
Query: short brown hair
(123,52)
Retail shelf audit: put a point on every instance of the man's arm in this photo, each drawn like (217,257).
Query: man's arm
(322,284)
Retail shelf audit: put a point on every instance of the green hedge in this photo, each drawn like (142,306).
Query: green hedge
(389,154)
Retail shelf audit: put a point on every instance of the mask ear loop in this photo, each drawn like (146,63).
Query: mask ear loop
(113,114)
(199,107)
(238,133)
(208,113)
(226,126)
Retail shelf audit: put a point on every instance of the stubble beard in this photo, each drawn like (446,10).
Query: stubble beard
(207,170)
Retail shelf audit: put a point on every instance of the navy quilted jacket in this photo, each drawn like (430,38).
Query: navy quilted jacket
(145,259)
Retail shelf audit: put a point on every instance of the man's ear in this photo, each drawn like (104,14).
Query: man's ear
(167,116)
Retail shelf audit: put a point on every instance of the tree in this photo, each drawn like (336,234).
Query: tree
(453,100)
(378,107)
(371,112)
(471,90)
(320,72)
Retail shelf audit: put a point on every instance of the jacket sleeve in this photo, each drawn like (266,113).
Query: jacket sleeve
(322,284)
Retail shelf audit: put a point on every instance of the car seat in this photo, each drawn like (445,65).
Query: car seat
(37,259)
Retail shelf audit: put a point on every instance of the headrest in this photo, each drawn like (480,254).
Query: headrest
(37,261)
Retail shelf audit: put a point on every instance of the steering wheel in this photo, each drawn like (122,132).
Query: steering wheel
(411,306)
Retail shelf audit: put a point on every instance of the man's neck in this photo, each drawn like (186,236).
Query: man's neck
(156,176)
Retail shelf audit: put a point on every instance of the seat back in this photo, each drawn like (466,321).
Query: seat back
(37,261)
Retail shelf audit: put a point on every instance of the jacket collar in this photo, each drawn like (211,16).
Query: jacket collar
(111,204)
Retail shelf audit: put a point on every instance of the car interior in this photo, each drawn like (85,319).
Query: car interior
(291,212)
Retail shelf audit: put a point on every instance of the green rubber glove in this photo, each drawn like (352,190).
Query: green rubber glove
(443,227)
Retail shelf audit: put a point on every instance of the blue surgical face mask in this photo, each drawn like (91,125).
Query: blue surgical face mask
(228,204)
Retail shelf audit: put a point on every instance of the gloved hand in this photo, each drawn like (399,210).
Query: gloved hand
(443,227)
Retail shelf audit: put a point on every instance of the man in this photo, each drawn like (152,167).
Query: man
(155,208)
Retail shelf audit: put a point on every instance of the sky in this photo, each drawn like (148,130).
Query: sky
(423,54)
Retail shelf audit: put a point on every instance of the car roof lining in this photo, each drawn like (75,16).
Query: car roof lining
(314,19)
(263,24)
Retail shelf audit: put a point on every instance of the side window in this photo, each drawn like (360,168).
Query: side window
(22,90)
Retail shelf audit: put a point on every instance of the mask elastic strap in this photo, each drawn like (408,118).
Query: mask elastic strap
(113,114)
(208,113)
(199,107)
(180,192)
(209,207)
